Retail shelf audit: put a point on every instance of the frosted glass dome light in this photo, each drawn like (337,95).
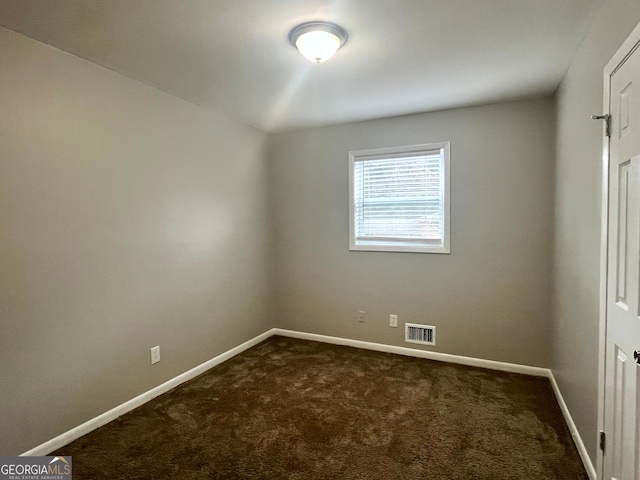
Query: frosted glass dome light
(318,41)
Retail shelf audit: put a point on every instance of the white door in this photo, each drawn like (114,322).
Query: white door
(622,373)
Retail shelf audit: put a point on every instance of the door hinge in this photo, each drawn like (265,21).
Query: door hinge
(603,440)
(607,118)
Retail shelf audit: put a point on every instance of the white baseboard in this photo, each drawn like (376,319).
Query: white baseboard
(414,352)
(577,439)
(103,419)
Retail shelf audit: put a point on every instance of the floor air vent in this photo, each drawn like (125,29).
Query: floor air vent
(422,334)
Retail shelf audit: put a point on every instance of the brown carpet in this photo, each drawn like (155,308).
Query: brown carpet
(293,409)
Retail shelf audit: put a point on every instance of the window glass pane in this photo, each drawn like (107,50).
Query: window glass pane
(399,199)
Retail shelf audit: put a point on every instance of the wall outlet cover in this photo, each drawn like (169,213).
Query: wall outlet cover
(155,354)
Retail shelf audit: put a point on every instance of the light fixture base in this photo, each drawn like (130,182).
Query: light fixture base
(318,28)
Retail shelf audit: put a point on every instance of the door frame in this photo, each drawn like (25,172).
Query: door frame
(629,46)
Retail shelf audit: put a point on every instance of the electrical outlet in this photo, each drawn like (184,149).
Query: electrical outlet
(361,316)
(393,320)
(155,354)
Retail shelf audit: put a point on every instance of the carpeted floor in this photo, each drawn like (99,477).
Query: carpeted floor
(293,409)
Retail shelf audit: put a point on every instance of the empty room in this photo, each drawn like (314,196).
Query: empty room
(323,239)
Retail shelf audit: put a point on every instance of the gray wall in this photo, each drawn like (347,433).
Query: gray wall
(577,213)
(489,299)
(128,219)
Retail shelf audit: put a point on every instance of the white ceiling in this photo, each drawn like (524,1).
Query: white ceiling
(402,56)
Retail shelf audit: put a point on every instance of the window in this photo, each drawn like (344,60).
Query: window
(399,199)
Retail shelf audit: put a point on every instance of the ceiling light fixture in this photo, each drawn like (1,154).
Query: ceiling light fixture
(318,41)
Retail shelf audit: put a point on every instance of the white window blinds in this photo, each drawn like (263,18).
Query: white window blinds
(399,199)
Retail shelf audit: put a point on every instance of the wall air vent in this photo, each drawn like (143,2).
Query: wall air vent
(422,334)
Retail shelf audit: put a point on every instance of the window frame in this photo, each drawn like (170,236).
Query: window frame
(363,155)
